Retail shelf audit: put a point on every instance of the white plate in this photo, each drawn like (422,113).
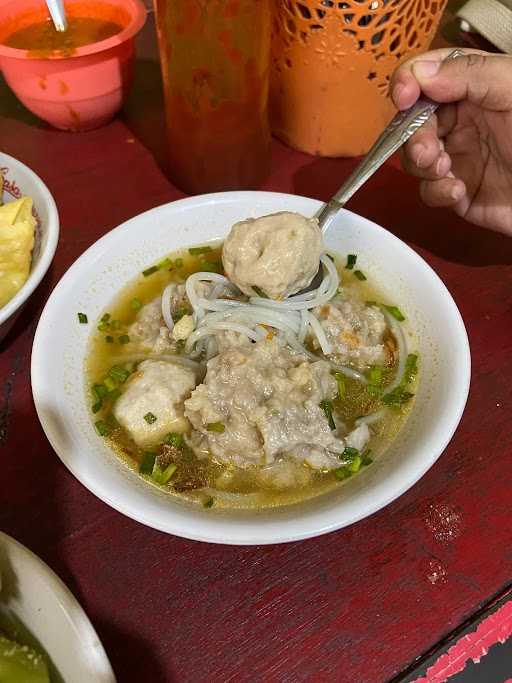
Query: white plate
(91,283)
(38,598)
(20,180)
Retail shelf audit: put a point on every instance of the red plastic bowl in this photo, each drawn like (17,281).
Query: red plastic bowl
(82,91)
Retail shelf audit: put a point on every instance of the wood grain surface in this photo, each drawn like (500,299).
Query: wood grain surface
(358,605)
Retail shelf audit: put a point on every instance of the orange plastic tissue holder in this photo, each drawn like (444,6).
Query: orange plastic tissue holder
(331,66)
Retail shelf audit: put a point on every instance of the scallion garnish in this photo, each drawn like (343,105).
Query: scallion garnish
(342,473)
(340,381)
(178,263)
(355,465)
(102,428)
(349,454)
(208,503)
(360,275)
(395,312)
(351,261)
(82,319)
(150,418)
(411,367)
(260,292)
(174,439)
(109,339)
(218,427)
(118,373)
(180,313)
(375,377)
(397,397)
(136,304)
(97,406)
(196,251)
(149,271)
(99,391)
(105,318)
(163,476)
(147,463)
(114,395)
(102,327)
(211,267)
(110,383)
(165,263)
(124,339)
(326,406)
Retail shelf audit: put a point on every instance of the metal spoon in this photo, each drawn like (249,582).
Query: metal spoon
(58,14)
(396,133)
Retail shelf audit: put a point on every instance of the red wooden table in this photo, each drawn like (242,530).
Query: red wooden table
(358,605)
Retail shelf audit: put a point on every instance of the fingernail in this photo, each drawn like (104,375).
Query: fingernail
(456,193)
(399,88)
(418,151)
(425,69)
(442,165)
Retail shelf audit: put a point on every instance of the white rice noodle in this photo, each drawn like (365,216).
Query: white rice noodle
(402,350)
(303,326)
(208,330)
(372,418)
(166,306)
(167,357)
(190,285)
(328,288)
(319,333)
(350,372)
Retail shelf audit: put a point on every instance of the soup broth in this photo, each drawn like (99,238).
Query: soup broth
(205,480)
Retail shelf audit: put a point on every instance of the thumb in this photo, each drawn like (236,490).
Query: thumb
(484,80)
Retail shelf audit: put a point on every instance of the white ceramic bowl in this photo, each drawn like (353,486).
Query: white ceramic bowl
(93,280)
(20,180)
(38,598)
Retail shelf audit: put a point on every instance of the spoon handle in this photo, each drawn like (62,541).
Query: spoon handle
(396,133)
(57,13)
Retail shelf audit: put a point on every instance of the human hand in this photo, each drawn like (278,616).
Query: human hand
(463,154)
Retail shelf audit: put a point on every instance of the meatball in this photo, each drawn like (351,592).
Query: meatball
(279,254)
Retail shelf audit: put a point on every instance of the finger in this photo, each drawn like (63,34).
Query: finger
(424,147)
(446,119)
(445,192)
(438,169)
(482,79)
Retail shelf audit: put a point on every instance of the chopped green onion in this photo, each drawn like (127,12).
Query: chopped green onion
(260,292)
(149,271)
(118,373)
(110,383)
(136,304)
(397,397)
(102,428)
(349,454)
(211,267)
(196,251)
(326,406)
(180,313)
(174,439)
(218,427)
(355,465)
(360,275)
(114,395)
(178,263)
(342,473)
(116,324)
(165,263)
(102,327)
(105,317)
(99,391)
(124,339)
(150,418)
(375,376)
(411,367)
(163,476)
(147,463)
(340,381)
(97,406)
(351,261)
(395,312)
(109,339)
(82,319)
(208,503)
(366,460)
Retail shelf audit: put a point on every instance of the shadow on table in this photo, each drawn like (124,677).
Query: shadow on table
(391,199)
